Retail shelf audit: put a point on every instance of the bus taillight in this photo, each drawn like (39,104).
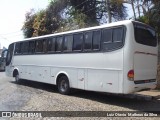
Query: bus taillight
(131,75)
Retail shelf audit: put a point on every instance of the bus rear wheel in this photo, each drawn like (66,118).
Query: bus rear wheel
(63,85)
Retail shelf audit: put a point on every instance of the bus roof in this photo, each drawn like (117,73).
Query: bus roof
(124,22)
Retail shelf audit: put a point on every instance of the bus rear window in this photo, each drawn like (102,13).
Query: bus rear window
(145,35)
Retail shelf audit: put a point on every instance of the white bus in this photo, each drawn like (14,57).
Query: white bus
(120,57)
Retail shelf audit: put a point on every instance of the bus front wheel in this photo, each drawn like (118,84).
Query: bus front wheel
(63,85)
(17,79)
(16,75)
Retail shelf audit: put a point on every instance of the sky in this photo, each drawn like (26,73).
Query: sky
(12,17)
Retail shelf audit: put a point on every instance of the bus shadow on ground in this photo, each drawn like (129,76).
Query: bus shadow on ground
(37,85)
(152,105)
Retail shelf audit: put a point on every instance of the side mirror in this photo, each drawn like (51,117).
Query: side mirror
(4,53)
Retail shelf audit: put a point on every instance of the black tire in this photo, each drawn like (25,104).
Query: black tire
(17,79)
(63,85)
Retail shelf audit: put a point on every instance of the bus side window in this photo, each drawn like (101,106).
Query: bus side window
(107,39)
(107,36)
(118,37)
(24,47)
(112,38)
(45,45)
(39,46)
(31,47)
(96,39)
(51,44)
(118,34)
(77,42)
(17,48)
(58,44)
(68,41)
(88,41)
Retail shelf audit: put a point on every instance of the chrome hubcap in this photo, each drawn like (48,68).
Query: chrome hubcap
(17,78)
(63,85)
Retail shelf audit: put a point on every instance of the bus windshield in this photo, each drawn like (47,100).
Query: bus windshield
(145,35)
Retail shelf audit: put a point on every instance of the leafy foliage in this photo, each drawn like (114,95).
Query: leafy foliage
(28,24)
(86,7)
(39,23)
(96,10)
(152,16)
(118,10)
(45,21)
(63,15)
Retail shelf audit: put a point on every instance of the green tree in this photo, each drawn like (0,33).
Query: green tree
(54,15)
(86,7)
(152,16)
(28,24)
(114,10)
(155,17)
(63,15)
(44,21)
(95,10)
(39,24)
(118,10)
(76,21)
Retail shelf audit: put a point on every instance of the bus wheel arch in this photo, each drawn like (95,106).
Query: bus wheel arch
(16,75)
(63,84)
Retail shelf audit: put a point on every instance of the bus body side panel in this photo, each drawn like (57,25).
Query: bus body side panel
(103,80)
(103,73)
(109,79)
(128,86)
(144,66)
(35,73)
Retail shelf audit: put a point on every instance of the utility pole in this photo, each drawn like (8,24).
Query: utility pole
(138,6)
(107,2)
(132,4)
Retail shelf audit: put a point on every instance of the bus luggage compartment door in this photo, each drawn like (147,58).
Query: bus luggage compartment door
(145,66)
